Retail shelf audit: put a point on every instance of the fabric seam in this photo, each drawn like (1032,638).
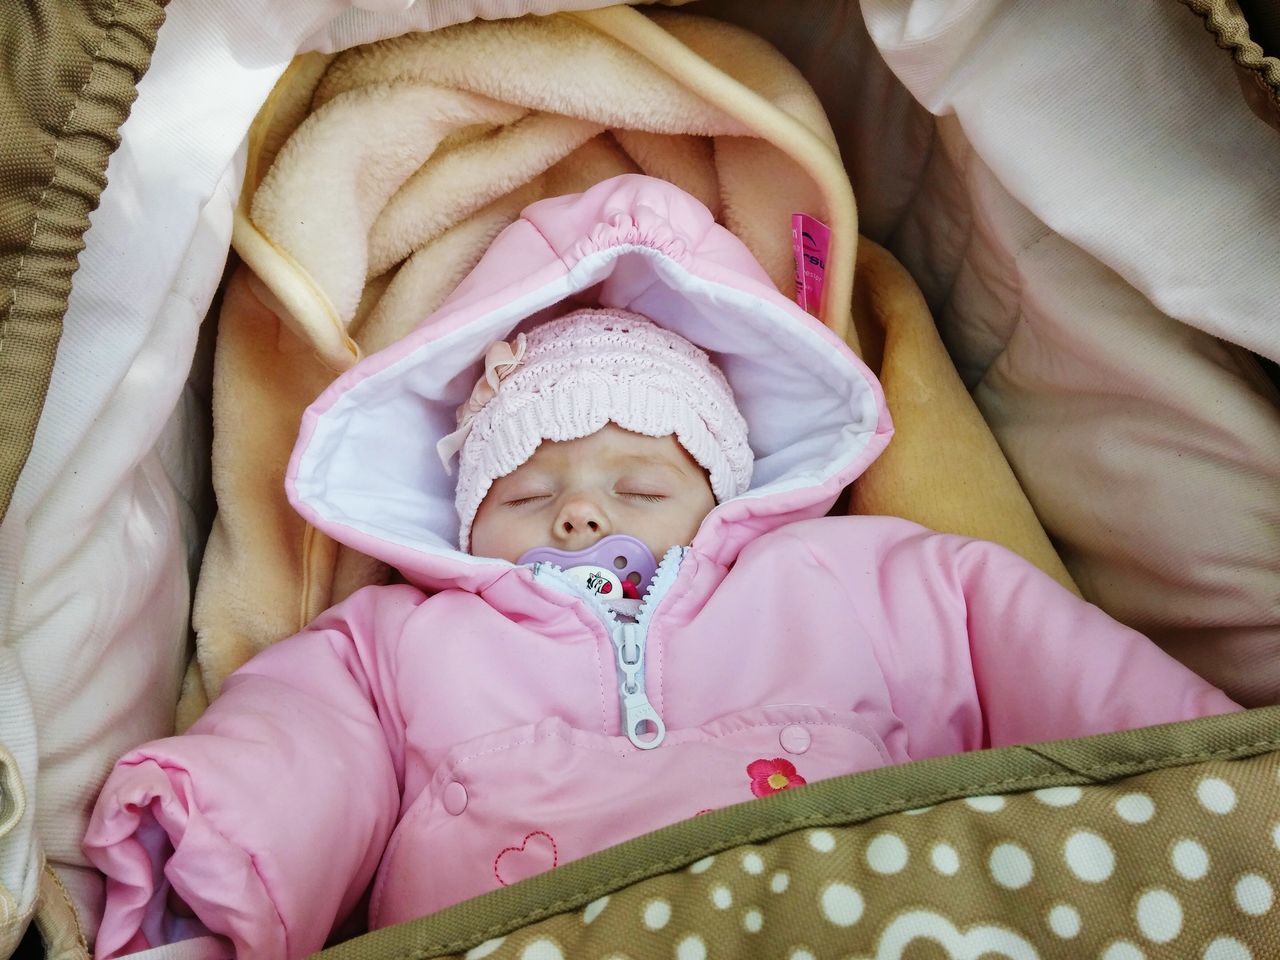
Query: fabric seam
(38,221)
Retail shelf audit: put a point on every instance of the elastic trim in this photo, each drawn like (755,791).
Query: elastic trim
(1260,74)
(60,123)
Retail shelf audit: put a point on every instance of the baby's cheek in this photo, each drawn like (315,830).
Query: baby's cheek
(680,531)
(490,537)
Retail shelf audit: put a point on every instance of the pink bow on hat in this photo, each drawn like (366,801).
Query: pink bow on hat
(500,361)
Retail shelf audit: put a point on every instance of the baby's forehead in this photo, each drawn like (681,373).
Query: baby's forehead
(613,447)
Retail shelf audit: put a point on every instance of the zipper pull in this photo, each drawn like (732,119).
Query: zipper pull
(645,728)
(643,725)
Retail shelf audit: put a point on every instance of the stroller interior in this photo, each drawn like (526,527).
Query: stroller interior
(1054,240)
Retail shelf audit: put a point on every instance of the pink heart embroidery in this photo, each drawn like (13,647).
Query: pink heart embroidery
(536,854)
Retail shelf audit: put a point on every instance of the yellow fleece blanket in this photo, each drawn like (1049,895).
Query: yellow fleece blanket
(378,177)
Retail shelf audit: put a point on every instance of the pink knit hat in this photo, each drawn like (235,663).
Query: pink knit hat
(570,376)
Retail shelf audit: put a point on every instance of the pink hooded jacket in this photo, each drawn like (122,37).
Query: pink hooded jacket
(440,740)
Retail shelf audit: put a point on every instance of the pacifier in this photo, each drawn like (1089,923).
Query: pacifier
(615,566)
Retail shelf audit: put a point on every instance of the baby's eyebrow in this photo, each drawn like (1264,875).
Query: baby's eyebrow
(527,474)
(639,461)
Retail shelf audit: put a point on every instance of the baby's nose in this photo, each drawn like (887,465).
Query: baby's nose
(581,517)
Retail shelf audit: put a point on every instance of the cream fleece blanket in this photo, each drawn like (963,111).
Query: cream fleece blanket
(378,177)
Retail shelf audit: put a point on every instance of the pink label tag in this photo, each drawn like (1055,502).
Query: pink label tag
(809,239)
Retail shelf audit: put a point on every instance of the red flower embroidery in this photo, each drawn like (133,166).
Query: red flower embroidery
(772,776)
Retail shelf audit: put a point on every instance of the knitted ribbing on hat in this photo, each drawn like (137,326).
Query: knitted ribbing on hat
(590,367)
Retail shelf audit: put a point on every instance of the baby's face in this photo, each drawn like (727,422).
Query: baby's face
(571,493)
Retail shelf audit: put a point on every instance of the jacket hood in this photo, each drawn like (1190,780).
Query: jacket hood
(365,471)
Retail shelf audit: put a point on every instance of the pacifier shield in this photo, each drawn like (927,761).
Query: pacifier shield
(604,566)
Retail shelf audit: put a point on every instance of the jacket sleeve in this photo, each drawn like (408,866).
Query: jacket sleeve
(269,816)
(982,649)
(1049,665)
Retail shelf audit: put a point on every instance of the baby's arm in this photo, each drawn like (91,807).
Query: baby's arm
(980,648)
(1049,665)
(268,817)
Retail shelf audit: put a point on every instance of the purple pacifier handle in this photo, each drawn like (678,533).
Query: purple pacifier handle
(622,556)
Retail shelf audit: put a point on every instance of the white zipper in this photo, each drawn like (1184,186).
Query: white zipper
(640,721)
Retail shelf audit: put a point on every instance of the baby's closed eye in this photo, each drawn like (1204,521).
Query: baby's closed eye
(526,500)
(644,485)
(637,495)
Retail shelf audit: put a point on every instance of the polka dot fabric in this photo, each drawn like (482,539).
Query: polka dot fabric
(1179,863)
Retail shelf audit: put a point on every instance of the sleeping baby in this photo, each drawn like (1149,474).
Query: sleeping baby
(603,469)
